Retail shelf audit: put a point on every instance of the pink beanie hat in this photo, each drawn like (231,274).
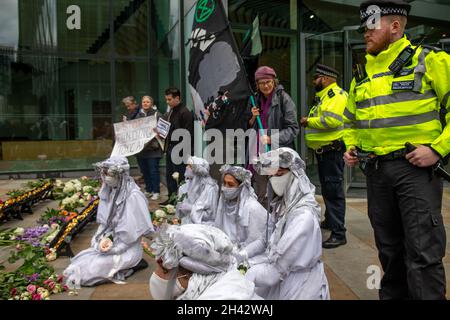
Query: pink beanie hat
(265,72)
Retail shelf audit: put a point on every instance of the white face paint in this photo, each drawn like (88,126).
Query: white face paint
(158,288)
(111,181)
(280,183)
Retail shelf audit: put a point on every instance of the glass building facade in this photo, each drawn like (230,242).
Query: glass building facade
(66,65)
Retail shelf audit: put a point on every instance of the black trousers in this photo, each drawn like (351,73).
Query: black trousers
(171,168)
(331,175)
(405,204)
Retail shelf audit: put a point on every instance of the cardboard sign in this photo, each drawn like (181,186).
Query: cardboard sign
(163,127)
(131,136)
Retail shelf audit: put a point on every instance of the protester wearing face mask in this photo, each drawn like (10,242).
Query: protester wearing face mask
(200,202)
(195,262)
(123,218)
(239,214)
(286,264)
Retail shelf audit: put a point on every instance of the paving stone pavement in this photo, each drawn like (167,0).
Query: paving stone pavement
(346,266)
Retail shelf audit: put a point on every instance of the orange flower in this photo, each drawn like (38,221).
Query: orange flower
(72,215)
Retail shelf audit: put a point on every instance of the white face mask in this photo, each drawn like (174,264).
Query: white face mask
(158,288)
(279,183)
(188,174)
(230,193)
(111,181)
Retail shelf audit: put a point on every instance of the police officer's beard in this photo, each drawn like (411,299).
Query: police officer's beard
(319,86)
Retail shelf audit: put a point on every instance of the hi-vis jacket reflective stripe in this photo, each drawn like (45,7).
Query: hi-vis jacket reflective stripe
(325,121)
(387,111)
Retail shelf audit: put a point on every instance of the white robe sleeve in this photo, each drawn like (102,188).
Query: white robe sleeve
(300,245)
(256,247)
(205,207)
(258,222)
(135,221)
(263,275)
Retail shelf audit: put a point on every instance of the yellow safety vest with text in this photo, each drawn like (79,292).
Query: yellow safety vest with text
(387,110)
(325,121)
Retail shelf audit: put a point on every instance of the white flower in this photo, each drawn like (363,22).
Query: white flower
(87,188)
(176,176)
(66,201)
(51,256)
(170,209)
(54,226)
(19,231)
(75,197)
(58,183)
(105,244)
(89,198)
(160,213)
(81,201)
(43,292)
(68,188)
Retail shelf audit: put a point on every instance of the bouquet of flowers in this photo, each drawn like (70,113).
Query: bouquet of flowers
(34,279)
(165,214)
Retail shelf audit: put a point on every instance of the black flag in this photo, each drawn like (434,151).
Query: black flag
(215,65)
(251,50)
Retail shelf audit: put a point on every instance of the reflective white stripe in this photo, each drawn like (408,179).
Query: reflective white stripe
(349,125)
(397,121)
(419,70)
(308,131)
(325,124)
(332,115)
(394,98)
(348,114)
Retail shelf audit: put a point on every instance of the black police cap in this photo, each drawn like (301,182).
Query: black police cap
(384,8)
(324,70)
(387,7)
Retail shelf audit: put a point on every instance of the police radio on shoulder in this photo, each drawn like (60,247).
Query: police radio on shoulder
(406,55)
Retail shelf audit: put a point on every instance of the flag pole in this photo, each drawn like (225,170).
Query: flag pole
(258,119)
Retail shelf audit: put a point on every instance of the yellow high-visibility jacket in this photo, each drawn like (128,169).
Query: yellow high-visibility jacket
(387,111)
(325,121)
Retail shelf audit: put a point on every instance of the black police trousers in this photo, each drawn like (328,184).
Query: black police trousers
(331,176)
(404,203)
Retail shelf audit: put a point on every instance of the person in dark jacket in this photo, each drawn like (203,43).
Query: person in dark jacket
(148,158)
(278,115)
(180,117)
(132,108)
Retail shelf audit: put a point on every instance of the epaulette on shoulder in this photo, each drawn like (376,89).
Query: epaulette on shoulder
(433,48)
(331,93)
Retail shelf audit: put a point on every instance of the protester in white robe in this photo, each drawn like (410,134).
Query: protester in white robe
(202,193)
(196,262)
(287,264)
(123,218)
(239,214)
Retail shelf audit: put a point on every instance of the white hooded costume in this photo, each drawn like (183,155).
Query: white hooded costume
(242,217)
(208,253)
(202,193)
(286,265)
(122,215)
